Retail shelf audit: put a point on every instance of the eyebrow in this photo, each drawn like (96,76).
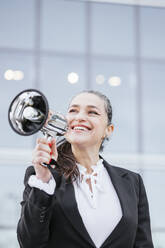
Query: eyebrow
(88,106)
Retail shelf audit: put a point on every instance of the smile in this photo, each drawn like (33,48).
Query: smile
(80,128)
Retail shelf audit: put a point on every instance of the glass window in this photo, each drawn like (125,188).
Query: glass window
(10,65)
(123,100)
(112,29)
(8,238)
(17,23)
(63,26)
(153,118)
(54,80)
(159,238)
(11,195)
(152,32)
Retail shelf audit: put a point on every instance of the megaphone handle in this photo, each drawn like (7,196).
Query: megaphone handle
(52,164)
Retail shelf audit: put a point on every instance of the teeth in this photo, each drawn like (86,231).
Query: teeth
(80,128)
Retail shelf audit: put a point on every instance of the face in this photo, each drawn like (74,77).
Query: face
(87,121)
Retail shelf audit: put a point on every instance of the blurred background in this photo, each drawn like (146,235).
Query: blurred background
(64,46)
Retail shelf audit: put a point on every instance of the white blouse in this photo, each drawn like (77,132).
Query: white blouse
(98,205)
(100,209)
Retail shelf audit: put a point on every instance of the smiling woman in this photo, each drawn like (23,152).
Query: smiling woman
(89,120)
(87,116)
(84,202)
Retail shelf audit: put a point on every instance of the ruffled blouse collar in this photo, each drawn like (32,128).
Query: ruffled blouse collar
(96,182)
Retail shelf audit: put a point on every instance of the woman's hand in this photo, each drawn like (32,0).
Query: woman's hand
(44,151)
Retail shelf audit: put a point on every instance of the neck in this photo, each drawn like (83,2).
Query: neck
(86,157)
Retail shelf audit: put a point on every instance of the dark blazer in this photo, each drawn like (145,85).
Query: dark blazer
(54,221)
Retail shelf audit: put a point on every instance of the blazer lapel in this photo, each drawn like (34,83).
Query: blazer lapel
(67,201)
(125,192)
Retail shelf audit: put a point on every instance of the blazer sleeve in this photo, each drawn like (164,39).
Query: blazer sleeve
(33,226)
(143,235)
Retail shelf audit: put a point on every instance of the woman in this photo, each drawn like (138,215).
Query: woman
(84,202)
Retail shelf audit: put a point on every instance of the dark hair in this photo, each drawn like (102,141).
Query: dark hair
(66,159)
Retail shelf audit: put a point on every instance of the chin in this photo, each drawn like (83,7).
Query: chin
(81,140)
(78,141)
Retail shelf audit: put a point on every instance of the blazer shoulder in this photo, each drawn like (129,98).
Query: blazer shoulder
(125,171)
(135,176)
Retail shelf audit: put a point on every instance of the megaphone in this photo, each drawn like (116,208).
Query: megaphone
(29,113)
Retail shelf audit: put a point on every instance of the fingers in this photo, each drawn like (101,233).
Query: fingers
(38,160)
(42,152)
(43,145)
(45,150)
(43,141)
(53,146)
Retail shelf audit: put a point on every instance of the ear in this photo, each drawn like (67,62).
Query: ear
(109,130)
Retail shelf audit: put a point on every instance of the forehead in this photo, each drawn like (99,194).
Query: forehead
(87,99)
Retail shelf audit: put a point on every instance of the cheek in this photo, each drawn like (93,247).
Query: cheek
(102,128)
(68,118)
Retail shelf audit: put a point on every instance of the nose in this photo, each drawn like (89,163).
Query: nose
(80,116)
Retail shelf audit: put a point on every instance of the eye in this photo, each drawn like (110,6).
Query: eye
(93,112)
(72,110)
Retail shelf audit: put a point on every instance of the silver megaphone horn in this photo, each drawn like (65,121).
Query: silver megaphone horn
(29,113)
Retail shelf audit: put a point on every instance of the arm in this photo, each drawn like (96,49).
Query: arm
(143,236)
(33,226)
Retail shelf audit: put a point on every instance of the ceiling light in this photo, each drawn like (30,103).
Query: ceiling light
(18,75)
(8,75)
(114,81)
(73,77)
